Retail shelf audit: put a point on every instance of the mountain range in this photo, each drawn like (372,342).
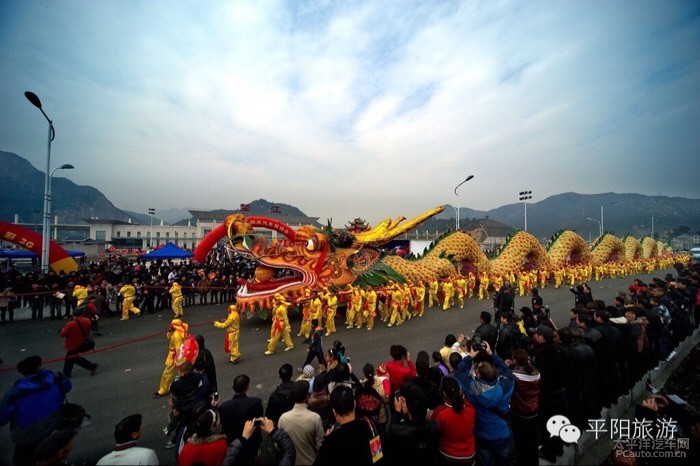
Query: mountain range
(22,192)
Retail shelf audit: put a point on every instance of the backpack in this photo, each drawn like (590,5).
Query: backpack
(368,402)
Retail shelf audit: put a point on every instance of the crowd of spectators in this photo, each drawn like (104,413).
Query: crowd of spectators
(213,282)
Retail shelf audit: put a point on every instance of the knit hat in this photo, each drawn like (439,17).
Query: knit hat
(308,371)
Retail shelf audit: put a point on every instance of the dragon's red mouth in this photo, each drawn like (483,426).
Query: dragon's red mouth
(292,281)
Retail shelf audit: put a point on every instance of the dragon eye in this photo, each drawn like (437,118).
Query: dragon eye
(311,245)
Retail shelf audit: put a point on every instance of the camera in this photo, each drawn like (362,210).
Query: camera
(477,343)
(257,421)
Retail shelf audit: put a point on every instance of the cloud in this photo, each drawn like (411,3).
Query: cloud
(346,109)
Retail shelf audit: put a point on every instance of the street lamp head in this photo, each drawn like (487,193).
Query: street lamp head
(33,98)
(460,184)
(66,166)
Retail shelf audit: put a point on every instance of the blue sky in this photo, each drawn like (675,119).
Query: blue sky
(361,108)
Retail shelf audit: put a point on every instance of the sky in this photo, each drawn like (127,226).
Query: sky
(371,109)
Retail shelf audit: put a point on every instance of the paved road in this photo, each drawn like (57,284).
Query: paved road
(129,374)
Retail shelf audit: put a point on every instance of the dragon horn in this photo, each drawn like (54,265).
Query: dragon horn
(388,229)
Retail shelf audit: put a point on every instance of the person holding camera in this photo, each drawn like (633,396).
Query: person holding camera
(283,448)
(488,389)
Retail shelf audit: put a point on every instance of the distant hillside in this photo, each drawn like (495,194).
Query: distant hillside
(628,214)
(22,192)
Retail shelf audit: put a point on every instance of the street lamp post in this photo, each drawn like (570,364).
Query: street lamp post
(34,99)
(602,223)
(65,166)
(151,213)
(524,196)
(457,216)
(600,228)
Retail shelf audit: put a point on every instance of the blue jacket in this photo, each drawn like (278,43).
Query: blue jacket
(491,400)
(33,406)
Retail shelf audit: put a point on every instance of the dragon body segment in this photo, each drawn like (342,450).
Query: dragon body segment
(521,251)
(607,248)
(649,247)
(451,252)
(568,248)
(633,248)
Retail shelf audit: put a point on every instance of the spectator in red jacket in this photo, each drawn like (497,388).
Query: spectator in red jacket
(400,367)
(75,332)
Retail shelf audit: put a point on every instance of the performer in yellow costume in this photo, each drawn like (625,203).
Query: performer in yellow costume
(332,308)
(433,292)
(80,293)
(471,285)
(370,307)
(448,294)
(543,276)
(316,309)
(176,293)
(396,300)
(280,325)
(176,335)
(406,292)
(305,328)
(232,324)
(359,301)
(419,302)
(128,292)
(460,290)
(350,310)
(483,286)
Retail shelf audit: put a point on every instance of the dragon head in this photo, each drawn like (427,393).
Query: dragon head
(306,258)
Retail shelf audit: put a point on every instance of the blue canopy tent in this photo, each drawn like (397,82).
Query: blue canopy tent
(169,251)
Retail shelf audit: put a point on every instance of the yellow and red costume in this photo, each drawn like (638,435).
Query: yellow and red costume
(396,300)
(358,300)
(80,293)
(232,324)
(176,293)
(128,293)
(280,326)
(176,335)
(484,286)
(433,292)
(305,328)
(332,308)
(371,307)
(448,294)
(419,301)
(472,284)
(460,290)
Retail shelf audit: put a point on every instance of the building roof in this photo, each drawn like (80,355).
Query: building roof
(106,221)
(220,215)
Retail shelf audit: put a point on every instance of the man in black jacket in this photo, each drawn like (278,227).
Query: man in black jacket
(234,414)
(486,331)
(503,302)
(508,336)
(280,400)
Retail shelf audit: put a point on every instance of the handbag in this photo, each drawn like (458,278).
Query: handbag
(88,344)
